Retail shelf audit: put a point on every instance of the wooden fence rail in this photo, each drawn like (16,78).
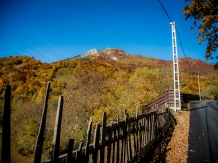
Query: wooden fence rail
(168,98)
(121,141)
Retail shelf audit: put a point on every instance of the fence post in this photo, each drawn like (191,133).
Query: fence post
(109,143)
(122,157)
(88,140)
(6,128)
(96,143)
(149,127)
(39,142)
(70,150)
(118,139)
(103,137)
(57,130)
(136,118)
(128,146)
(79,153)
(156,125)
(114,138)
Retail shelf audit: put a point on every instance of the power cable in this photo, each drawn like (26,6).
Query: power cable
(180,44)
(177,35)
(165,11)
(183,49)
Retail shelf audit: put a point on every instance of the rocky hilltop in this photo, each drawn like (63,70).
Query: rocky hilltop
(108,53)
(92,52)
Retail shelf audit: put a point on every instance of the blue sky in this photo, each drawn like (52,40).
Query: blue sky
(53,30)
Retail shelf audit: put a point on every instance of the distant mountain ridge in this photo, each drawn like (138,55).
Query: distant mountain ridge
(115,56)
(191,65)
(188,64)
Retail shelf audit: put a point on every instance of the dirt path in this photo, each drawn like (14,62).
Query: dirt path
(174,145)
(177,149)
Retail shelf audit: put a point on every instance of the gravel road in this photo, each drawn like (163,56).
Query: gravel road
(203,132)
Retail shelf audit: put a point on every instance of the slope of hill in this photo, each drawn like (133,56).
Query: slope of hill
(23,69)
(90,85)
(193,66)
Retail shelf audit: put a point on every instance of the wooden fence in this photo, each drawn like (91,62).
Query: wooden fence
(167,98)
(125,140)
(122,141)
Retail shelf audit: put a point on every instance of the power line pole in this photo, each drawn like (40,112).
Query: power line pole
(177,99)
(199,89)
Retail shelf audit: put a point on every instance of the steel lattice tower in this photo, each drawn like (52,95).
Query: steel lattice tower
(177,99)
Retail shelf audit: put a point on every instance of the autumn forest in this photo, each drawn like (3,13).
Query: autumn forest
(90,86)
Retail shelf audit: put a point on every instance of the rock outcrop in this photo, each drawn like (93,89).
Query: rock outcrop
(108,53)
(92,52)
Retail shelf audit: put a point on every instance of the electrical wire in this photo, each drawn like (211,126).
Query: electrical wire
(165,11)
(177,35)
(183,49)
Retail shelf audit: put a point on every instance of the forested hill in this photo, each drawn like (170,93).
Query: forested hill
(90,85)
(31,74)
(194,66)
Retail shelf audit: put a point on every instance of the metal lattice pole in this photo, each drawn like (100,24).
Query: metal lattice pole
(199,87)
(177,99)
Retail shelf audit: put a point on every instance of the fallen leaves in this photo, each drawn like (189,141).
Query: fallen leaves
(177,149)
